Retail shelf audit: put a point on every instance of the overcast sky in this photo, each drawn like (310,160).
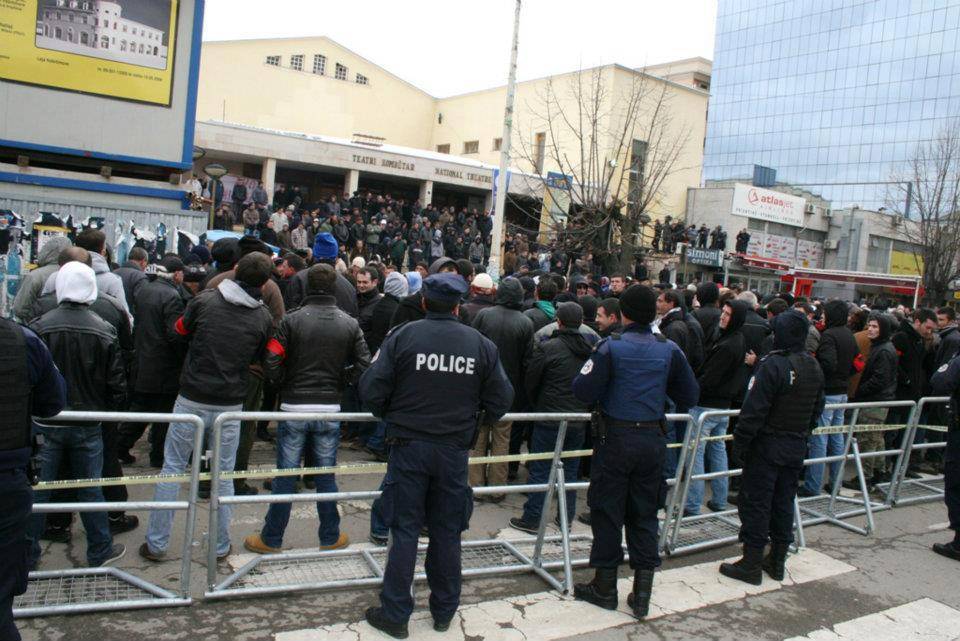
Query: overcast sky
(448,47)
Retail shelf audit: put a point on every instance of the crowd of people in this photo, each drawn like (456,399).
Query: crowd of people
(233,326)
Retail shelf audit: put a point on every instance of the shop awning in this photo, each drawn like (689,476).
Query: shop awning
(759,262)
(860,278)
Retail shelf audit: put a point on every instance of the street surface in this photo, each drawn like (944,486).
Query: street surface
(843,587)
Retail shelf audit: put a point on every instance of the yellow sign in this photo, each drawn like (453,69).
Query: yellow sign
(117,48)
(906,263)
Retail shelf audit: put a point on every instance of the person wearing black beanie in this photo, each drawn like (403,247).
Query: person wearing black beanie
(630,375)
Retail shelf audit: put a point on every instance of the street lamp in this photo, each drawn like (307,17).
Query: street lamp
(216,171)
(198,153)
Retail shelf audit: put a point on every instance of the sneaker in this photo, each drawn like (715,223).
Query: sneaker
(375,617)
(342,541)
(150,555)
(56,534)
(126,458)
(223,557)
(255,543)
(116,553)
(379,541)
(517,523)
(123,524)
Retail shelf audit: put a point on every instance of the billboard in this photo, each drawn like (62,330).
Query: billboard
(116,48)
(772,206)
(906,263)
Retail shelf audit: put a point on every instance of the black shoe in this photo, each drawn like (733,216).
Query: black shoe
(441,626)
(263,434)
(773,563)
(512,475)
(309,483)
(733,499)
(748,569)
(950,550)
(601,591)
(243,489)
(150,555)
(852,484)
(713,507)
(126,458)
(268,485)
(375,618)
(56,533)
(556,521)
(639,598)
(378,455)
(584,518)
(805,493)
(380,541)
(517,523)
(223,557)
(116,553)
(494,498)
(123,524)
(203,492)
(912,473)
(157,463)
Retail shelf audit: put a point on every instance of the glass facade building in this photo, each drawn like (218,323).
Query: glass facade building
(828,92)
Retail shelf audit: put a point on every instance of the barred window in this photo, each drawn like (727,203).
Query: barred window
(273,60)
(319,64)
(341,72)
(471,146)
(296,62)
(362,79)
(443,149)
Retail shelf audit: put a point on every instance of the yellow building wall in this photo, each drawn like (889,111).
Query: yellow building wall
(237,86)
(906,263)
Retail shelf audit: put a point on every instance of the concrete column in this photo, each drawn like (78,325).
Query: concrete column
(426,193)
(268,176)
(488,201)
(351,181)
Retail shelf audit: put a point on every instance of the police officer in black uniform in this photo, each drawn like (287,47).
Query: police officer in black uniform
(630,375)
(783,402)
(946,381)
(30,385)
(433,381)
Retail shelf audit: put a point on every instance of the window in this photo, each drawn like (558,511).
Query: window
(273,60)
(124,28)
(70,34)
(104,42)
(296,62)
(539,151)
(319,64)
(443,149)
(497,144)
(58,33)
(341,72)
(638,161)
(123,45)
(140,48)
(878,254)
(362,79)
(471,146)
(84,38)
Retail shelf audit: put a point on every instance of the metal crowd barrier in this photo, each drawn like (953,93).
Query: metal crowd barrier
(364,567)
(905,491)
(111,588)
(692,533)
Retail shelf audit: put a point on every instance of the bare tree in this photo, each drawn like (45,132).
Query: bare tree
(929,185)
(617,143)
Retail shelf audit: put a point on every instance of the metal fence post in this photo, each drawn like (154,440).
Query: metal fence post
(835,490)
(212,538)
(564,529)
(674,509)
(906,447)
(192,490)
(863,487)
(557,461)
(688,473)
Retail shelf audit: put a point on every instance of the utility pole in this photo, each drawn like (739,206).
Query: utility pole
(496,243)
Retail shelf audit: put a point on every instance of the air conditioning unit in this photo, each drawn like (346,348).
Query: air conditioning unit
(831,244)
(828,213)
(810,209)
(896,221)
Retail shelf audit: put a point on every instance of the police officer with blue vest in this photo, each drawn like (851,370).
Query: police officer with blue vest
(946,382)
(432,382)
(783,403)
(30,385)
(630,376)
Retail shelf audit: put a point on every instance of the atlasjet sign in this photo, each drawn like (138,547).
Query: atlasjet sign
(772,206)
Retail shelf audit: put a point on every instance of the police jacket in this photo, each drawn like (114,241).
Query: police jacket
(721,376)
(555,363)
(837,350)
(160,353)
(878,381)
(228,329)
(30,385)
(344,292)
(314,351)
(512,332)
(631,375)
(910,366)
(785,395)
(85,349)
(946,382)
(432,377)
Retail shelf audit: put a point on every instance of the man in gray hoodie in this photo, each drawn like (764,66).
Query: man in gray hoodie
(33,282)
(95,242)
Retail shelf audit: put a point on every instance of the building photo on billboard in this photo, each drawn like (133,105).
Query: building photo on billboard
(129,31)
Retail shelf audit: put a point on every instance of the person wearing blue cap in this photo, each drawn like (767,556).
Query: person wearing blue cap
(434,382)
(325,250)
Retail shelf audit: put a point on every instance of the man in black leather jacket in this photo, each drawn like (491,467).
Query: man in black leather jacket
(512,332)
(315,348)
(86,351)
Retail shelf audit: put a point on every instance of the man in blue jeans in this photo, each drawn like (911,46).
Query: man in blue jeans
(313,353)
(228,328)
(549,384)
(837,350)
(720,378)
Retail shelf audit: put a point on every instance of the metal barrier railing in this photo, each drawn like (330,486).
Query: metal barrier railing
(111,588)
(692,533)
(482,557)
(905,491)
